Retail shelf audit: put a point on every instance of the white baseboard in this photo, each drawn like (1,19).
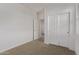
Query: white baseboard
(59,45)
(3,50)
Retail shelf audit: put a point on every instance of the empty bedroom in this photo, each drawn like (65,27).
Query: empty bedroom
(39,28)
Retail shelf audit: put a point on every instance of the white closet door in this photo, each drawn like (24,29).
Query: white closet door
(52,29)
(63,29)
(59,29)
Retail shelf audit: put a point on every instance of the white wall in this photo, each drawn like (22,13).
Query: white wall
(62,9)
(77,30)
(16,25)
(36,26)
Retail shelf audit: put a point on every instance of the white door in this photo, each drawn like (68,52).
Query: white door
(59,29)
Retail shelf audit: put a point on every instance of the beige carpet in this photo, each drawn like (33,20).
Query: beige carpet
(37,47)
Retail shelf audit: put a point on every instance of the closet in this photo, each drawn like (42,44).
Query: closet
(59,29)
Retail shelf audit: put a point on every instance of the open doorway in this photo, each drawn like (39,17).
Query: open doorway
(42,28)
(41,20)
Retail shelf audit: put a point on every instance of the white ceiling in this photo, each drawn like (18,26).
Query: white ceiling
(38,6)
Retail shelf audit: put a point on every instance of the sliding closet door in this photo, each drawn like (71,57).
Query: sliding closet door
(52,26)
(59,28)
(63,29)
